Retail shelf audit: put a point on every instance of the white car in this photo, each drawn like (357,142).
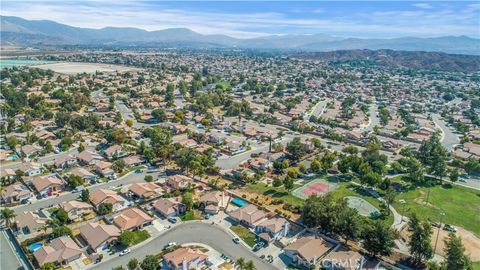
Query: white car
(171,244)
(124,252)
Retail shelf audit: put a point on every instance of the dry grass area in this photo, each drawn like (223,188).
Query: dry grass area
(469,239)
(87,261)
(72,68)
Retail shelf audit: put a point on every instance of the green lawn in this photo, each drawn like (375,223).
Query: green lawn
(275,192)
(476,265)
(460,205)
(140,236)
(245,234)
(191,215)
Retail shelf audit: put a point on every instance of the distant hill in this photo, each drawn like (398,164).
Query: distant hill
(21,32)
(401,59)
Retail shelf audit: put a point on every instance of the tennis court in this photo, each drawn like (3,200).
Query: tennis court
(363,207)
(314,187)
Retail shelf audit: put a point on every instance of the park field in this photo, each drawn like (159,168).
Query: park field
(460,205)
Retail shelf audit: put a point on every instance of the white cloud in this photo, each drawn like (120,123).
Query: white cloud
(423,5)
(152,16)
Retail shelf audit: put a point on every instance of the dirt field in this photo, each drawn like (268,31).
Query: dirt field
(72,68)
(469,240)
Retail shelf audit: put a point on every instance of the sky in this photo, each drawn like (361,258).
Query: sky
(249,19)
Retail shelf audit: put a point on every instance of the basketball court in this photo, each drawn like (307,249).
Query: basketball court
(363,207)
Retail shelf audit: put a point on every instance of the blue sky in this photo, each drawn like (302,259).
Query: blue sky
(246,19)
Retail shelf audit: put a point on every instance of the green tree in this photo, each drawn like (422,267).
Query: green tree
(378,239)
(187,200)
(315,166)
(149,263)
(118,268)
(75,181)
(420,240)
(296,149)
(327,160)
(127,238)
(132,264)
(184,158)
(240,263)
(7,215)
(159,115)
(61,231)
(454,175)
(455,257)
(85,195)
(105,208)
(61,215)
(48,266)
(148,178)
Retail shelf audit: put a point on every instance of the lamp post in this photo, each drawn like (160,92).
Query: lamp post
(403,202)
(438,232)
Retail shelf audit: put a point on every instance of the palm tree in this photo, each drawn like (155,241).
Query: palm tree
(250,266)
(241,263)
(7,215)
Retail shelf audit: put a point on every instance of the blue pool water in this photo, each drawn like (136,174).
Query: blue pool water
(35,246)
(239,202)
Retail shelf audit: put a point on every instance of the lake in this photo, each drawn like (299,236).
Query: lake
(8,63)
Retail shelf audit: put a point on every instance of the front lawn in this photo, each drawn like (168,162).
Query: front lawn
(130,238)
(191,215)
(461,205)
(244,233)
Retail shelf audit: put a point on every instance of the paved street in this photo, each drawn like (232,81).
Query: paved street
(197,232)
(373,120)
(44,203)
(9,256)
(448,139)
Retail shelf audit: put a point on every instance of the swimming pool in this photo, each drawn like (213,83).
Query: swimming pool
(35,246)
(239,202)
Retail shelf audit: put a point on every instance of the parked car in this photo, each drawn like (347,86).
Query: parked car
(236,240)
(169,245)
(172,220)
(124,252)
(435,224)
(138,171)
(449,228)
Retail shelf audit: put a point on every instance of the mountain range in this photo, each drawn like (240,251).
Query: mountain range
(16,31)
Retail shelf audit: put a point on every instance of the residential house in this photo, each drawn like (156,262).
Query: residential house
(259,164)
(115,151)
(31,168)
(178,181)
(83,173)
(144,190)
(211,202)
(307,251)
(65,161)
(132,218)
(8,174)
(248,215)
(88,158)
(46,185)
(100,196)
(15,192)
(343,258)
(32,222)
(76,209)
(134,160)
(168,207)
(99,236)
(29,150)
(272,229)
(62,250)
(104,168)
(184,259)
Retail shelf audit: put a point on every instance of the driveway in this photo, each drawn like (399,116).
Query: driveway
(191,232)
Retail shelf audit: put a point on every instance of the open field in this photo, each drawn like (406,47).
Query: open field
(72,68)
(460,205)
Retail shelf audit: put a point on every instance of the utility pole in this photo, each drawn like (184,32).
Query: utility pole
(270,146)
(438,231)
